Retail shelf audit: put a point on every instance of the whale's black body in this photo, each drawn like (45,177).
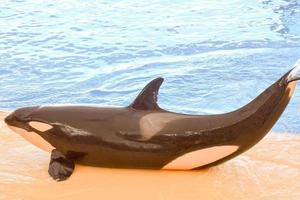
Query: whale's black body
(143,135)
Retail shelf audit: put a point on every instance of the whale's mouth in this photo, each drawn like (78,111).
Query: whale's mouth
(33,138)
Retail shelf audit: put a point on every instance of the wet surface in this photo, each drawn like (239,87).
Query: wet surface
(270,170)
(215,56)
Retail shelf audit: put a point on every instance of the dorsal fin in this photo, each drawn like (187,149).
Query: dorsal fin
(147,98)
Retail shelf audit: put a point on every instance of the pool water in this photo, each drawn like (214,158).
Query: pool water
(215,56)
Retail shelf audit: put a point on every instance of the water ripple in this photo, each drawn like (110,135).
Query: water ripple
(215,56)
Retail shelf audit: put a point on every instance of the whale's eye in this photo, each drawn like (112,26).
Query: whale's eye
(40,126)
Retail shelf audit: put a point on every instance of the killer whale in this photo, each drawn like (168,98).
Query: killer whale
(143,135)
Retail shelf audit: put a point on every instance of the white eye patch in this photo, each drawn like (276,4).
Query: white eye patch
(40,126)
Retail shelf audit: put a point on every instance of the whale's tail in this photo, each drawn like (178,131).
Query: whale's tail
(294,74)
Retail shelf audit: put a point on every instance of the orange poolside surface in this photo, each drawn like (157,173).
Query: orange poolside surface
(270,170)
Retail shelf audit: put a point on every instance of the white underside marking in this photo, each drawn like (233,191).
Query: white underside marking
(201,157)
(42,127)
(33,138)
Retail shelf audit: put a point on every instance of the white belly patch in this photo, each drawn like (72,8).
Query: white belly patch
(200,158)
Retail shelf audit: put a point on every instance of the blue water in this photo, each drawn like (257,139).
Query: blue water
(215,56)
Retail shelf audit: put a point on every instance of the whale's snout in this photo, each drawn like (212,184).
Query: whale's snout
(20,116)
(9,119)
(20,122)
